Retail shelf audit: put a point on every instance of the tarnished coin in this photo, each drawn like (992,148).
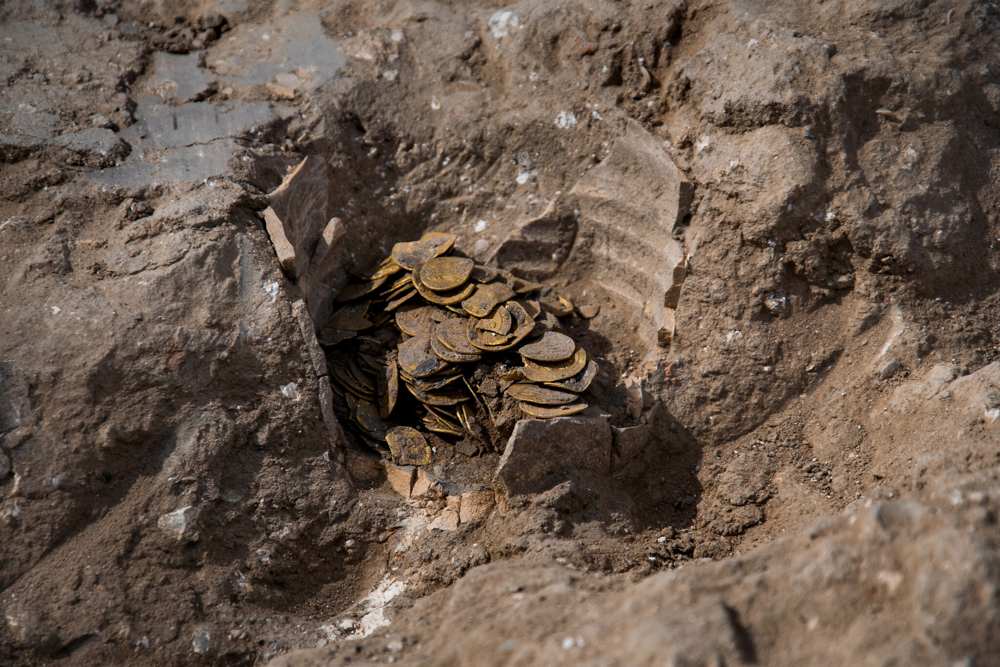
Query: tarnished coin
(447,396)
(559,370)
(438,425)
(408,446)
(400,300)
(415,321)
(417,359)
(558,305)
(533,307)
(485,298)
(500,322)
(353,291)
(486,340)
(580,382)
(533,393)
(436,382)
(454,334)
(367,417)
(351,318)
(361,377)
(445,273)
(442,298)
(552,346)
(388,387)
(523,325)
(330,336)
(387,267)
(346,380)
(549,412)
(411,254)
(451,356)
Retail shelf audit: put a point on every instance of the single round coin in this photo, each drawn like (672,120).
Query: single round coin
(487,297)
(417,359)
(551,411)
(500,322)
(445,353)
(453,333)
(411,254)
(580,382)
(408,446)
(415,321)
(559,370)
(446,273)
(552,346)
(533,393)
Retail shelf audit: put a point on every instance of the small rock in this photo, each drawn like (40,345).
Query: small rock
(400,478)
(888,368)
(201,640)
(395,646)
(475,506)
(446,520)
(776,303)
(543,453)
(179,523)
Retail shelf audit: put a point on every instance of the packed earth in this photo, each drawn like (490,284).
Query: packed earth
(450,333)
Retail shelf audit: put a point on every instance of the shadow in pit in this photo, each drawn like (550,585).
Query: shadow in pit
(651,483)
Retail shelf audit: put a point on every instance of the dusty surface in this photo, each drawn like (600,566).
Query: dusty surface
(789,219)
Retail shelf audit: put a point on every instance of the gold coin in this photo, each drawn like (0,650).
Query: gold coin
(485,298)
(445,273)
(351,318)
(533,307)
(359,375)
(549,412)
(523,325)
(400,300)
(408,446)
(433,423)
(486,340)
(467,417)
(559,370)
(453,334)
(558,305)
(415,321)
(354,291)
(450,396)
(417,359)
(580,382)
(432,383)
(445,353)
(442,298)
(347,381)
(532,393)
(411,254)
(552,346)
(385,269)
(588,311)
(499,323)
(388,387)
(330,336)
(367,417)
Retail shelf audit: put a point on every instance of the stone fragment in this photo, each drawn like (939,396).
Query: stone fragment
(446,520)
(179,524)
(541,454)
(283,248)
(316,355)
(400,478)
(474,506)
